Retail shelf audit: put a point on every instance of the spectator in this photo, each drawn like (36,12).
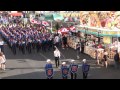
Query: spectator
(105,57)
(64,41)
(116,59)
(2,60)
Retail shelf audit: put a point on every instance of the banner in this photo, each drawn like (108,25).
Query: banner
(49,72)
(65,71)
(107,40)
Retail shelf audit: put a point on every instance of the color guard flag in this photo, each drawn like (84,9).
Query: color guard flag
(49,72)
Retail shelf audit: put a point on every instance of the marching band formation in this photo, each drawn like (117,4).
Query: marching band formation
(28,38)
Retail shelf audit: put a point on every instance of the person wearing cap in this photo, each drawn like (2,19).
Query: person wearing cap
(85,69)
(49,66)
(64,70)
(73,69)
(57,56)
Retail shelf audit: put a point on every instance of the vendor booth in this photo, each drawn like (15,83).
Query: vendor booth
(107,39)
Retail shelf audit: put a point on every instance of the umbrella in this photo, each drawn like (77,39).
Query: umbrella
(16,14)
(35,21)
(45,23)
(72,28)
(63,30)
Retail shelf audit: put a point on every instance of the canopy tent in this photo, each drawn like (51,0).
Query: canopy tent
(63,31)
(54,17)
(16,14)
(115,32)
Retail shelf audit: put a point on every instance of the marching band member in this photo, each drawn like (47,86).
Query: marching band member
(85,69)
(64,70)
(49,69)
(73,69)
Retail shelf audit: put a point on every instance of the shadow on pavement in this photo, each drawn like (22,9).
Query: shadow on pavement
(42,56)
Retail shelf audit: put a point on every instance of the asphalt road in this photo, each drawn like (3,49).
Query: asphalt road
(31,66)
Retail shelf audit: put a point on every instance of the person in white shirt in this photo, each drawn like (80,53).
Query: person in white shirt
(57,56)
(56,41)
(105,57)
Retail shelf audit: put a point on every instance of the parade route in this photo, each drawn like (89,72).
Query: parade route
(31,66)
(28,40)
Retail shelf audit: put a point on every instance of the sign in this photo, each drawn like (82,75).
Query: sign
(65,71)
(49,72)
(107,40)
(74,68)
